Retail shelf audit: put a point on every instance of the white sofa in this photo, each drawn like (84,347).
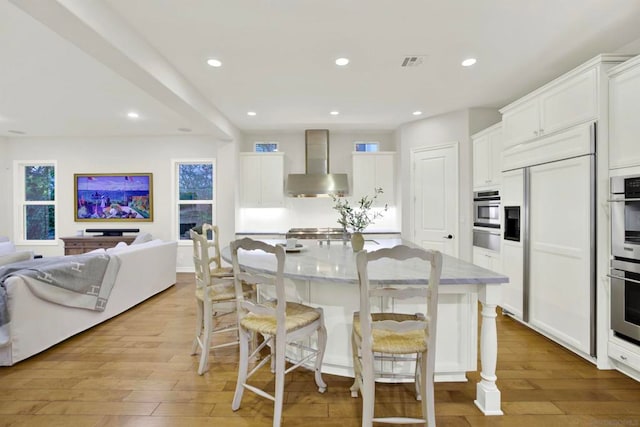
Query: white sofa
(145,270)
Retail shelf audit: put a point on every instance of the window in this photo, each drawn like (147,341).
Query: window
(36,200)
(366,146)
(195,183)
(265,147)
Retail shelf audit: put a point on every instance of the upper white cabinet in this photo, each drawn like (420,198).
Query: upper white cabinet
(487,153)
(262,179)
(374,170)
(624,104)
(569,100)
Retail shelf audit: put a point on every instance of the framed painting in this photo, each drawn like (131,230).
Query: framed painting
(110,197)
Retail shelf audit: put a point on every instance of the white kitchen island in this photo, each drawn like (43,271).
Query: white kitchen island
(325,275)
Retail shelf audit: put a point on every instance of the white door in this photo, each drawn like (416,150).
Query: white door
(435,196)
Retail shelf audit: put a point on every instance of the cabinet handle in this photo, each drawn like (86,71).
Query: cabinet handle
(623,357)
(541,131)
(535,132)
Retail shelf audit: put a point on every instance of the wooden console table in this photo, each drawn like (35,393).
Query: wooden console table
(82,244)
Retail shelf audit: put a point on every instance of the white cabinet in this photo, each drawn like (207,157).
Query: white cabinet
(262,179)
(565,102)
(487,152)
(625,356)
(374,170)
(513,251)
(485,258)
(624,104)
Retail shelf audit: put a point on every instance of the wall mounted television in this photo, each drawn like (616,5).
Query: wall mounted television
(109,197)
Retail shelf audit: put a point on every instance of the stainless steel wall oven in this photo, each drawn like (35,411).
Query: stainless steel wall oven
(625,299)
(625,265)
(486,209)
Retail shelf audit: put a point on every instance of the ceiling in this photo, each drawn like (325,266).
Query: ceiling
(76,67)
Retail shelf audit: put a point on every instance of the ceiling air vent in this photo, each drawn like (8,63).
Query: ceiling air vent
(412,60)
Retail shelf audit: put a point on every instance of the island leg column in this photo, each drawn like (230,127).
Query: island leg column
(487,393)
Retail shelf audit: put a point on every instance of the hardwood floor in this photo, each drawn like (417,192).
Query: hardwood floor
(135,370)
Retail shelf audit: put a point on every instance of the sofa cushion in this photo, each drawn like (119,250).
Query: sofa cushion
(7,248)
(142,238)
(15,257)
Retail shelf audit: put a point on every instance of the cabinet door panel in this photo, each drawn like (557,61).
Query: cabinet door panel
(272,181)
(250,181)
(570,103)
(624,126)
(520,124)
(560,256)
(481,162)
(385,177)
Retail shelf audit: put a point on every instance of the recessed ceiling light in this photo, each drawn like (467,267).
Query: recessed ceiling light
(334,113)
(214,62)
(251,113)
(468,62)
(133,115)
(17,132)
(342,61)
(417,113)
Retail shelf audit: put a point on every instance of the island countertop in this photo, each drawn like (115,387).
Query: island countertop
(336,263)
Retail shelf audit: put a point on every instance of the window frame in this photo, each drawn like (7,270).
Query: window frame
(20,203)
(175,163)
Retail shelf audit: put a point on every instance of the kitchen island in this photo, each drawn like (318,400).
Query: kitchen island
(325,275)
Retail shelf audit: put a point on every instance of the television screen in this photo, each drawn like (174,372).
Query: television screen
(113,197)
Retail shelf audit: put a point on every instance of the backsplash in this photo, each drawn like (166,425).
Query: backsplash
(301,213)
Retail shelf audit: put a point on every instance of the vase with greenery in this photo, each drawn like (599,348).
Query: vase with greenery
(355,219)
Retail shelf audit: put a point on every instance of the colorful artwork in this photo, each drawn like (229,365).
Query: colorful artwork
(113,197)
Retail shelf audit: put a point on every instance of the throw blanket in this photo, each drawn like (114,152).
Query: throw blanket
(82,281)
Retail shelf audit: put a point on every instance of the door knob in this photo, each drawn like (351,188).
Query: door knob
(448,236)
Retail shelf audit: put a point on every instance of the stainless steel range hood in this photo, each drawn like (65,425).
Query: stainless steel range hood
(317,181)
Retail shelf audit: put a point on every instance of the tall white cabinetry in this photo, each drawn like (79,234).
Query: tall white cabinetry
(548,138)
(570,100)
(262,179)
(624,105)
(487,149)
(374,170)
(512,250)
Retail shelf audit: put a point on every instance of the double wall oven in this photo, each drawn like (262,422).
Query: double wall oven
(625,265)
(486,219)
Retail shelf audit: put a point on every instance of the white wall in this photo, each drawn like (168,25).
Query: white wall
(120,154)
(457,126)
(311,212)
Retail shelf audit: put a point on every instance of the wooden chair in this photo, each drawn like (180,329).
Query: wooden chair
(215,295)
(377,335)
(280,322)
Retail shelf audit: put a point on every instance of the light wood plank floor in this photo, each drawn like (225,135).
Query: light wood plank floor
(135,370)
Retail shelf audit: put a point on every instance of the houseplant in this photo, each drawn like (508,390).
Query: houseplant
(356,218)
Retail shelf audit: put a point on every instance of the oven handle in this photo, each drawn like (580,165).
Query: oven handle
(625,279)
(635,199)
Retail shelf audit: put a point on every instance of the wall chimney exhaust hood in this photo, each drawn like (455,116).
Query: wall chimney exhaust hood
(317,181)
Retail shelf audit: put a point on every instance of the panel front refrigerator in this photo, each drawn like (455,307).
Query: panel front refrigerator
(551,263)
